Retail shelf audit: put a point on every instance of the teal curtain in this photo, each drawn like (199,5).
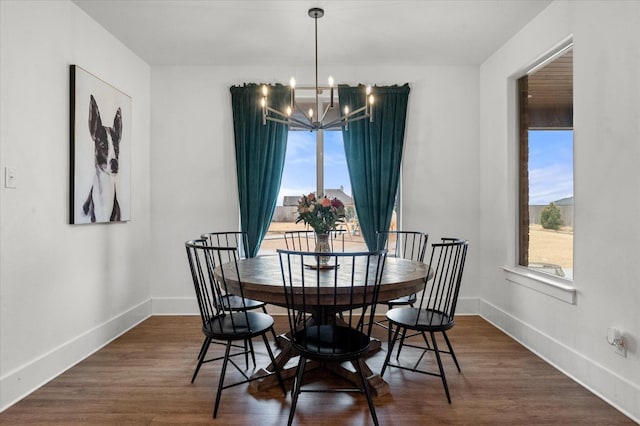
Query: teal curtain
(260,153)
(374,153)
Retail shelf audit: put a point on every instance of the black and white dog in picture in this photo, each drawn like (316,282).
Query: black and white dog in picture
(102,203)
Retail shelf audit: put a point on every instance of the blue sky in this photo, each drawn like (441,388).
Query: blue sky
(299,174)
(550,165)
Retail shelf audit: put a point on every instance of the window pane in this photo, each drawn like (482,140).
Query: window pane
(551,201)
(299,177)
(299,174)
(336,174)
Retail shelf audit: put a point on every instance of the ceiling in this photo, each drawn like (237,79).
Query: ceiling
(271,33)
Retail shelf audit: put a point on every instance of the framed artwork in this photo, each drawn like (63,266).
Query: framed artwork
(100,121)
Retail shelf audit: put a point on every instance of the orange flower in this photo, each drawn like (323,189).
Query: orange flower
(326,202)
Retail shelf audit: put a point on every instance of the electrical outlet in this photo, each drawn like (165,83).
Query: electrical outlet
(620,349)
(616,340)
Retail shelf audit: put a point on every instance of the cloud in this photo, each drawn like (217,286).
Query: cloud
(551,183)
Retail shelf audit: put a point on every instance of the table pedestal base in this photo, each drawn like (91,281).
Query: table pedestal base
(377,385)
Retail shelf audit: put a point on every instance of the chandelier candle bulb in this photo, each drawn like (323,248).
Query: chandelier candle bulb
(292,83)
(331,90)
(346,114)
(370,108)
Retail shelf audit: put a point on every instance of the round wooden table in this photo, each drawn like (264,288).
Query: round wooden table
(261,279)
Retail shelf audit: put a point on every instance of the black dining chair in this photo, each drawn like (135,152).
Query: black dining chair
(437,307)
(238,240)
(341,299)
(306,240)
(219,322)
(410,245)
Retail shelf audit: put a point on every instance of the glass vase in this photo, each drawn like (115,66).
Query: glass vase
(322,246)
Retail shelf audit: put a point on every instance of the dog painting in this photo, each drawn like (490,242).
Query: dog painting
(102,202)
(100,151)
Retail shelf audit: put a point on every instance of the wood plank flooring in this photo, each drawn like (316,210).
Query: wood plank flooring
(144,376)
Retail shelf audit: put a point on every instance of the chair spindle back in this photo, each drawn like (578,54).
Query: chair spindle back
(440,294)
(203,259)
(410,245)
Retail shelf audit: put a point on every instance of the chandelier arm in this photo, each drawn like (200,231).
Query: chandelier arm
(278,120)
(303,112)
(362,117)
(338,122)
(326,110)
(300,122)
(287,120)
(357,111)
(275,111)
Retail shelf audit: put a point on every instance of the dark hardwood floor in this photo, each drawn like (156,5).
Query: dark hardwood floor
(144,376)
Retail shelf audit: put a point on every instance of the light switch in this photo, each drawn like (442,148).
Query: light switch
(10,177)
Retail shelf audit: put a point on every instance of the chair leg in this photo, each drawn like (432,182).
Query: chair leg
(389,350)
(221,382)
(273,362)
(295,390)
(246,353)
(273,332)
(253,355)
(404,334)
(426,341)
(453,354)
(442,376)
(365,387)
(205,345)
(203,354)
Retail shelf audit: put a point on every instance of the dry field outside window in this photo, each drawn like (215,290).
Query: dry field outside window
(545,245)
(549,246)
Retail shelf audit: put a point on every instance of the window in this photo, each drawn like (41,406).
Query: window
(313,160)
(546,166)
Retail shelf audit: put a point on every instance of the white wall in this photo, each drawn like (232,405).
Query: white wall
(64,290)
(606,118)
(193,159)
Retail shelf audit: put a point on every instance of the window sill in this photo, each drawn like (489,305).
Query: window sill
(551,286)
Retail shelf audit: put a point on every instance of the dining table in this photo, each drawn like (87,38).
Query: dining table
(260,278)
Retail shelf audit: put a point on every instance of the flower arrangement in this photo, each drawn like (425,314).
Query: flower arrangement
(322,215)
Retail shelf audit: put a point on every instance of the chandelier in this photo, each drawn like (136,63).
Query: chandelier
(303,114)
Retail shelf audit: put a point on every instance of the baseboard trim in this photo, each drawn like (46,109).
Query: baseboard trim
(20,382)
(617,391)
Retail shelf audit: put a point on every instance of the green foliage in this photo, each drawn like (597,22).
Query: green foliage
(350,212)
(550,217)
